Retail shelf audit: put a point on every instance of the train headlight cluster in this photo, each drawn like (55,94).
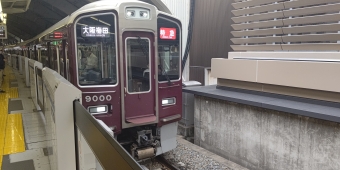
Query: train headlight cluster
(168,101)
(98,109)
(137,13)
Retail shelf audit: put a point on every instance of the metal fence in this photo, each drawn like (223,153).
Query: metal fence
(110,154)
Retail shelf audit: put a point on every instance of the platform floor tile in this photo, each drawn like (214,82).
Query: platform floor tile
(33,133)
(14,140)
(11,128)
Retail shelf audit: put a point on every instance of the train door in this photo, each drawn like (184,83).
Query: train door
(139,80)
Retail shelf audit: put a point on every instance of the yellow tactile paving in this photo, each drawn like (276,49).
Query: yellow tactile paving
(14,139)
(11,128)
(4,107)
(0,162)
(12,76)
(13,92)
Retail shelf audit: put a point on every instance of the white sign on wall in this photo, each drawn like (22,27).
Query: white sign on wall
(3,31)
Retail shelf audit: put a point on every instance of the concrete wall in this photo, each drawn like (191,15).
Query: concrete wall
(259,138)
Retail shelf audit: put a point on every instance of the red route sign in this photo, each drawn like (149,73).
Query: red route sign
(167,33)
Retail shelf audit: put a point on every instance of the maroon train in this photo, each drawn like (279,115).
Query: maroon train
(125,58)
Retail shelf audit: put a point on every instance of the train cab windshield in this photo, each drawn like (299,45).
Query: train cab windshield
(168,50)
(96,50)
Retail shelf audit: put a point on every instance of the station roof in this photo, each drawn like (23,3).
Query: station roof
(28,18)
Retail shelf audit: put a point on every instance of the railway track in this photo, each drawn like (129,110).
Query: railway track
(167,165)
(159,163)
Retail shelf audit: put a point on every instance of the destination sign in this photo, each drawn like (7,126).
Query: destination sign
(56,35)
(95,31)
(167,33)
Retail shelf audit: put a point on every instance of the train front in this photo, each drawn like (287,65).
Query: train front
(128,67)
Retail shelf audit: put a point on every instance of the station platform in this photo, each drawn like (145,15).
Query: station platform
(56,136)
(22,134)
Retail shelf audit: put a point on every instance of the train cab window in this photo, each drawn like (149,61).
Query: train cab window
(96,50)
(169,51)
(138,62)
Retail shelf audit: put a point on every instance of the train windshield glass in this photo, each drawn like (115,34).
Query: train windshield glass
(96,50)
(169,50)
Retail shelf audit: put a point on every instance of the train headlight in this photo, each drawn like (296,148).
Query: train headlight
(130,13)
(144,14)
(98,109)
(168,101)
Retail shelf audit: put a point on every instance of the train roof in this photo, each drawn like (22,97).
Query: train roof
(92,7)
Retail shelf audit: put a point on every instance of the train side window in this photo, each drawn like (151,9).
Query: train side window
(96,50)
(54,58)
(169,50)
(43,56)
(61,61)
(32,54)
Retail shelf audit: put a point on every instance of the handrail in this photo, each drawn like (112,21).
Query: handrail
(107,150)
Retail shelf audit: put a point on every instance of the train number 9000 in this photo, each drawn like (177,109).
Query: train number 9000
(96,98)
